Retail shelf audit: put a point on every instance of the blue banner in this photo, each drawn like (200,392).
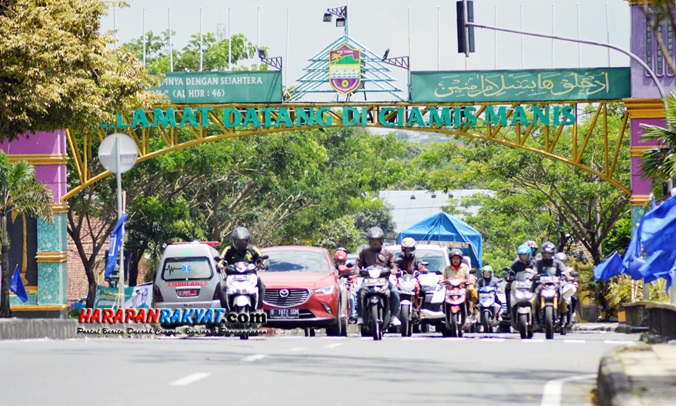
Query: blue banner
(16,285)
(609,267)
(659,265)
(658,228)
(115,245)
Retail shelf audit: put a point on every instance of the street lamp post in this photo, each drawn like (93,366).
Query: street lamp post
(341,16)
(275,62)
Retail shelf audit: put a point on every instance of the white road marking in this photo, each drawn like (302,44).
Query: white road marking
(574,341)
(252,358)
(551,394)
(189,379)
(333,345)
(620,342)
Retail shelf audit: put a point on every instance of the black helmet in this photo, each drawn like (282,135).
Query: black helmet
(455,252)
(375,232)
(240,238)
(376,238)
(548,248)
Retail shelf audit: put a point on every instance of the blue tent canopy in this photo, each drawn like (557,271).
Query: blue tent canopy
(444,228)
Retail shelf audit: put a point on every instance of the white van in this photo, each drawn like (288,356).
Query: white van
(187,276)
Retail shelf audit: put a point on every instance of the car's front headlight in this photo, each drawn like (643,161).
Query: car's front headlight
(326,290)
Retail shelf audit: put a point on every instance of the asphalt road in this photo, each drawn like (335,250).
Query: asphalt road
(294,370)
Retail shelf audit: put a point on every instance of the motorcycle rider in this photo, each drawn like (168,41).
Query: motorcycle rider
(340,259)
(524,262)
(542,267)
(409,263)
(533,249)
(458,269)
(489,280)
(241,250)
(569,276)
(376,254)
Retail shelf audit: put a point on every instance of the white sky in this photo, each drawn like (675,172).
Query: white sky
(381,24)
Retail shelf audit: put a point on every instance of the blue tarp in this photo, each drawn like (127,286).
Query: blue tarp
(609,267)
(444,228)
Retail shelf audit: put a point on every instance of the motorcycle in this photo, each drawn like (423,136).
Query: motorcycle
(522,295)
(432,307)
(488,308)
(241,292)
(455,307)
(375,299)
(567,292)
(548,298)
(406,283)
(346,279)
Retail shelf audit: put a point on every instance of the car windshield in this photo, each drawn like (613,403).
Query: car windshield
(435,259)
(182,268)
(298,261)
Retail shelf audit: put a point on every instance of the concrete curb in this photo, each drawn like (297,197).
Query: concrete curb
(621,328)
(614,387)
(21,329)
(582,327)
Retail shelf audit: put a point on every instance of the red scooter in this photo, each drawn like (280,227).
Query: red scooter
(455,307)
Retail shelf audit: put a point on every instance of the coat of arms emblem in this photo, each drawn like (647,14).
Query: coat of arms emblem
(345,69)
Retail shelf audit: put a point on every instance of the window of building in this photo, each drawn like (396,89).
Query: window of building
(649,47)
(670,48)
(659,69)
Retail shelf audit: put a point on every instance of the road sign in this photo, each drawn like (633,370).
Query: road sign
(127,149)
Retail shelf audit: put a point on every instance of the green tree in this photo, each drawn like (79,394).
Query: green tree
(533,197)
(56,71)
(91,217)
(214,53)
(21,194)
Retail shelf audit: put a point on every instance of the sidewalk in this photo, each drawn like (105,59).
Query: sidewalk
(640,375)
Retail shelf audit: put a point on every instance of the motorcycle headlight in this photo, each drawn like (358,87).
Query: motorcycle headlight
(326,290)
(548,293)
(407,286)
(238,283)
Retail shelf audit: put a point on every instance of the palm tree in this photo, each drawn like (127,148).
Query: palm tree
(22,194)
(659,163)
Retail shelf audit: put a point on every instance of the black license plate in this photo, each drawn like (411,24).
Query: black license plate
(284,313)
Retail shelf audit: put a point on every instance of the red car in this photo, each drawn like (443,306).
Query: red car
(302,290)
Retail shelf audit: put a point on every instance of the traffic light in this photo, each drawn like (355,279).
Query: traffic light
(465,33)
